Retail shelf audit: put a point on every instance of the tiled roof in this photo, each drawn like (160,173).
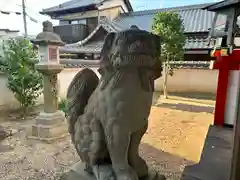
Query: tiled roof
(222,5)
(96,46)
(73,4)
(190,64)
(70,5)
(104,24)
(69,63)
(196,43)
(9,30)
(91,47)
(79,63)
(195,19)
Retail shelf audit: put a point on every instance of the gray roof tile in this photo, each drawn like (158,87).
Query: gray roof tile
(195,19)
(71,4)
(79,63)
(222,4)
(96,46)
(69,63)
(190,64)
(91,47)
(196,43)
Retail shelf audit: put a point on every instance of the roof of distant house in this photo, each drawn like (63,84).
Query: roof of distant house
(30,37)
(9,30)
(222,5)
(76,4)
(196,23)
(195,19)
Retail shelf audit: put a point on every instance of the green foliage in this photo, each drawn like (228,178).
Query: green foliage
(18,63)
(169,26)
(62,105)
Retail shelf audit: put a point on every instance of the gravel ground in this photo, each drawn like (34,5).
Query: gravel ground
(174,139)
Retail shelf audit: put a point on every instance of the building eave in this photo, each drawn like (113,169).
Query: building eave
(221,5)
(53,11)
(196,51)
(193,45)
(9,30)
(129,6)
(67,11)
(83,63)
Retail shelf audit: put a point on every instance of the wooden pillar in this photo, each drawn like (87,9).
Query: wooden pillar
(221,97)
(221,94)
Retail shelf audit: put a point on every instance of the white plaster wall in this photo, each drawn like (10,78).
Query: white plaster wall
(190,80)
(65,78)
(184,80)
(232,97)
(6,98)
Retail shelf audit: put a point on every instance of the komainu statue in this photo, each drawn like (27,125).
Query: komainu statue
(108,117)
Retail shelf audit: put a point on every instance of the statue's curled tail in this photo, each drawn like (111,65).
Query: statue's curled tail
(80,124)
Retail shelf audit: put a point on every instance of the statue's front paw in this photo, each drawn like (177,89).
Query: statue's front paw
(129,174)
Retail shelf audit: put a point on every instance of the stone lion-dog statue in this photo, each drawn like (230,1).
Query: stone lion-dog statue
(108,117)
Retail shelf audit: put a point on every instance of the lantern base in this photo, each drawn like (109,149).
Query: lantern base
(48,127)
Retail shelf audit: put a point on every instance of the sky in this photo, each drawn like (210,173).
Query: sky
(15,22)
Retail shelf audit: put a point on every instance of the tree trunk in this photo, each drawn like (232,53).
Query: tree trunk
(165,71)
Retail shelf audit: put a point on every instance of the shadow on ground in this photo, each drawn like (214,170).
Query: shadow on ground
(165,163)
(201,96)
(187,107)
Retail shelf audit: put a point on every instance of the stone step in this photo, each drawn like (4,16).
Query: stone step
(215,162)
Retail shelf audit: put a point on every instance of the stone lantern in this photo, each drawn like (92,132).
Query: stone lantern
(51,123)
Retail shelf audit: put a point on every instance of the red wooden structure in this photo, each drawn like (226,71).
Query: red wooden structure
(224,36)
(225,64)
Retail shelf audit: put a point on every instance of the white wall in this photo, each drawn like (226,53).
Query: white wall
(6,98)
(66,77)
(191,80)
(184,80)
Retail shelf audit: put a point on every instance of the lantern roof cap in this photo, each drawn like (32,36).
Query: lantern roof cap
(48,37)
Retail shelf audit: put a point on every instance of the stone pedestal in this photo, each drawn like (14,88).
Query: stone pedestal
(49,127)
(50,124)
(77,172)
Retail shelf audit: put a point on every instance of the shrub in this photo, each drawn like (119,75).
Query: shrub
(18,63)
(62,105)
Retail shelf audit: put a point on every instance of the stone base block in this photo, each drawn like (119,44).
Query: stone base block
(49,127)
(78,172)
